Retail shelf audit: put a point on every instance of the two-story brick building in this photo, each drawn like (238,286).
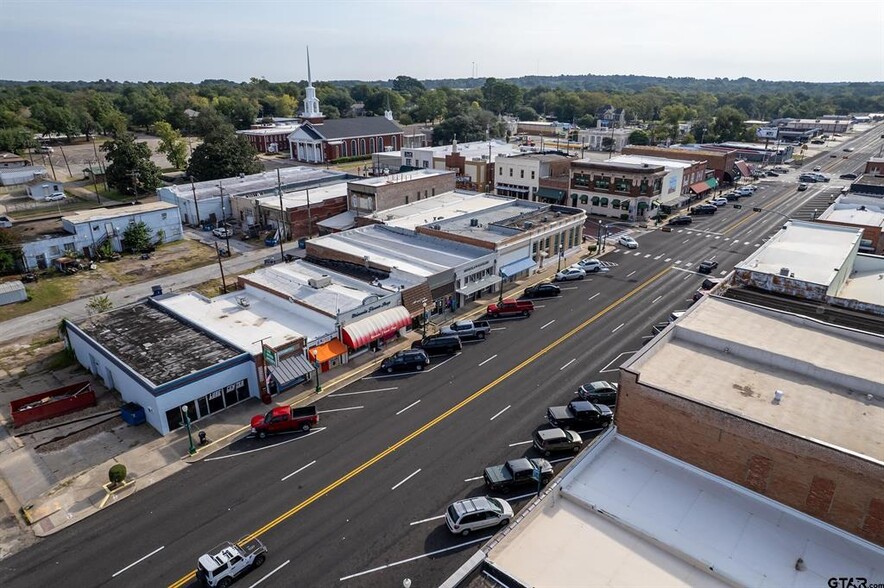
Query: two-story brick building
(723,162)
(628,191)
(520,175)
(374,194)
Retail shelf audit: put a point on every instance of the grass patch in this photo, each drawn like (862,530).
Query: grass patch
(60,360)
(46,293)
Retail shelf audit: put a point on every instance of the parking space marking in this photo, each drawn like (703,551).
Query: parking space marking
(487,360)
(596,430)
(521,443)
(135,563)
(407,407)
(500,413)
(340,409)
(607,368)
(630,273)
(594,295)
(271,572)
(473,479)
(617,328)
(301,469)
(312,432)
(567,364)
(442,516)
(499,329)
(569,288)
(417,557)
(547,324)
(336,394)
(656,299)
(539,306)
(407,478)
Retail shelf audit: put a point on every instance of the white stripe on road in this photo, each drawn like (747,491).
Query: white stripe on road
(301,469)
(590,431)
(561,459)
(571,288)
(273,571)
(487,360)
(135,563)
(410,559)
(637,253)
(470,480)
(499,329)
(340,409)
(630,273)
(656,299)
(647,256)
(659,256)
(520,443)
(313,432)
(407,407)
(407,478)
(547,324)
(442,516)
(539,306)
(567,364)
(362,392)
(500,413)
(685,241)
(679,261)
(594,295)
(668,259)
(618,328)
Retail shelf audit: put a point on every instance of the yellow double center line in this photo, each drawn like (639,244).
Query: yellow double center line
(361,468)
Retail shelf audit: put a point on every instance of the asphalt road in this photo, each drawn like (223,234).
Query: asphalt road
(359,501)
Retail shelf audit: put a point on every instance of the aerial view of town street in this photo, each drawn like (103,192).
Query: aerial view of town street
(487,294)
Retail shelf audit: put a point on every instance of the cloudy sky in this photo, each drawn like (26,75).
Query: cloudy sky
(188,40)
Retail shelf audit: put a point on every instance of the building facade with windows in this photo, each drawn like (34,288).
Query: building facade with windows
(627,191)
(604,139)
(471,162)
(332,139)
(519,175)
(273,138)
(685,181)
(370,195)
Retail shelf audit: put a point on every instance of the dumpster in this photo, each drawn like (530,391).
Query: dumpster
(157,290)
(302,243)
(132,413)
(52,403)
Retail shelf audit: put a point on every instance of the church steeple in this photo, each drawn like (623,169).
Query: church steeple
(311,112)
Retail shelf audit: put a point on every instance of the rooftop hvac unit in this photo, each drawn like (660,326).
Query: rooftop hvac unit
(545,219)
(528,225)
(242,301)
(320,282)
(437,227)
(474,222)
(784,271)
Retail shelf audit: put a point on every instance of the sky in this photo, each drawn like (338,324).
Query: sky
(189,40)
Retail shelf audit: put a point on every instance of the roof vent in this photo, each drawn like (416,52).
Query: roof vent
(778,396)
(320,282)
(436,227)
(545,219)
(474,222)
(528,225)
(784,271)
(242,301)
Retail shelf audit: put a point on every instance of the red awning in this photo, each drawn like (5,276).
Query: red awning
(744,168)
(376,326)
(323,353)
(700,187)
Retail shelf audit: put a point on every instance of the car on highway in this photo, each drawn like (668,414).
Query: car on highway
(849,149)
(628,242)
(554,440)
(680,220)
(809,177)
(802,187)
(707,266)
(817,168)
(228,561)
(439,345)
(600,392)
(406,360)
(847,176)
(589,265)
(222,232)
(472,514)
(570,273)
(719,201)
(542,290)
(55,196)
(821,177)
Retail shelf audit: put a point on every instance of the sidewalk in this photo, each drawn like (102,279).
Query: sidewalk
(82,495)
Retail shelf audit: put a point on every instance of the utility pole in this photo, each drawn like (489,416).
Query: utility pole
(95,183)
(309,215)
(100,166)
(134,184)
(65,157)
(196,203)
(221,265)
(281,213)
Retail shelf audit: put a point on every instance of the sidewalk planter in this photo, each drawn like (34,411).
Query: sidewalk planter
(52,403)
(133,414)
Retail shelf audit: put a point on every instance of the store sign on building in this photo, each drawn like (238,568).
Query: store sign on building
(478,266)
(368,309)
(269,356)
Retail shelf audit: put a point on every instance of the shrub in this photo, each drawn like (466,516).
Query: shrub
(592,248)
(117,474)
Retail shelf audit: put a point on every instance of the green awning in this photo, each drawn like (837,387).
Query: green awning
(712,183)
(615,203)
(604,202)
(595,200)
(557,196)
(642,205)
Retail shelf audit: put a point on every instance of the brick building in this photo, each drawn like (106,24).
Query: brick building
(722,162)
(378,193)
(273,138)
(326,141)
(627,191)
(303,210)
(520,176)
(864,212)
(874,166)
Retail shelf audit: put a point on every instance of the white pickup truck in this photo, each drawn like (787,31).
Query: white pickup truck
(226,562)
(468,329)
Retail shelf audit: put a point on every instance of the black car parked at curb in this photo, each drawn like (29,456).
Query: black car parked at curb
(409,359)
(439,345)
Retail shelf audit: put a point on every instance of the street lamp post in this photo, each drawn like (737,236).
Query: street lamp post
(192,449)
(561,256)
(424,320)
(318,383)
(500,295)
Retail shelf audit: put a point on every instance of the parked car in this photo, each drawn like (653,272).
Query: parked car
(516,472)
(5,222)
(222,232)
(44,149)
(439,345)
(600,392)
(55,196)
(732,196)
(710,283)
(284,419)
(481,512)
(773,174)
(817,168)
(680,220)
(468,330)
(706,208)
(707,266)
(628,242)
(847,176)
(542,290)
(554,440)
(570,273)
(589,265)
(408,359)
(228,561)
(510,307)
(579,413)
(719,201)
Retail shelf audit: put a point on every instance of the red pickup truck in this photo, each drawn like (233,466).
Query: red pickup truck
(283,419)
(511,307)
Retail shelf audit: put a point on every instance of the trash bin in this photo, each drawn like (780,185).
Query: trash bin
(157,290)
(302,243)
(132,413)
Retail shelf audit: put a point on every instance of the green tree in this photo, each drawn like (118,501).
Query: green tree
(728,125)
(10,250)
(136,237)
(408,85)
(223,154)
(145,105)
(171,144)
(639,137)
(131,171)
(16,139)
(500,96)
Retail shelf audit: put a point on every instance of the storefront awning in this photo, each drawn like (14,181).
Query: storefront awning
(700,187)
(551,194)
(515,267)
(360,333)
(474,287)
(744,168)
(290,371)
(713,183)
(326,351)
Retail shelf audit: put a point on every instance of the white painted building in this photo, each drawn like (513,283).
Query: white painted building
(83,232)
(594,139)
(519,175)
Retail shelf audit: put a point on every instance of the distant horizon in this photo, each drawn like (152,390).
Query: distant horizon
(815,41)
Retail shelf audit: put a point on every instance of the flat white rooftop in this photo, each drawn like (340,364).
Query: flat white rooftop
(474,150)
(274,130)
(255,183)
(734,356)
(865,282)
(813,252)
(627,515)
(243,327)
(853,215)
(640,159)
(298,198)
(398,178)
(440,207)
(97,214)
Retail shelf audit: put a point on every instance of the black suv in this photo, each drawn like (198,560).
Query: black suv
(599,392)
(680,220)
(439,345)
(413,359)
(542,291)
(704,209)
(707,266)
